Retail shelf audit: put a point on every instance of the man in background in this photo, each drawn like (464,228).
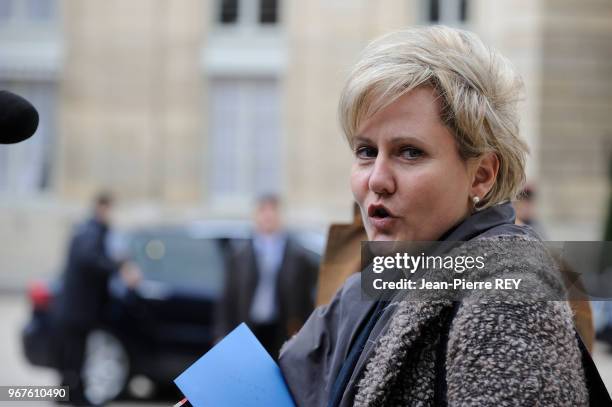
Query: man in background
(270,281)
(85,291)
(525,208)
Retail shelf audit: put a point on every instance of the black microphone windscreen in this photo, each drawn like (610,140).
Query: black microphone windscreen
(18,118)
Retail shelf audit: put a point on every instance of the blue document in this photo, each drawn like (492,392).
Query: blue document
(238,371)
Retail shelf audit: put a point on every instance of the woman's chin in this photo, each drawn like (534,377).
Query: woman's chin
(383,237)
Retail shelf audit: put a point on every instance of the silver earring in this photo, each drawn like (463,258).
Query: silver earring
(476,200)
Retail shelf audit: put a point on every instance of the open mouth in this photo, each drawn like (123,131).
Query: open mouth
(379,212)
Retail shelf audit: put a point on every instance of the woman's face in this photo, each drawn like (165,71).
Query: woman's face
(407,177)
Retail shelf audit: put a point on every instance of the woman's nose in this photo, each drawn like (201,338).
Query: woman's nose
(381,179)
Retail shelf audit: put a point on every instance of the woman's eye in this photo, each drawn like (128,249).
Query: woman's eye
(365,152)
(411,153)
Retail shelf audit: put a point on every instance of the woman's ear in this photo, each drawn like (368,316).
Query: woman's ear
(485,174)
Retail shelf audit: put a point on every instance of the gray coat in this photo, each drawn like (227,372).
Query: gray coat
(498,352)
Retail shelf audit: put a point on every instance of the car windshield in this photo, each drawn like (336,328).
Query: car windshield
(182,261)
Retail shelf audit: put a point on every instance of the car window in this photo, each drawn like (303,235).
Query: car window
(182,261)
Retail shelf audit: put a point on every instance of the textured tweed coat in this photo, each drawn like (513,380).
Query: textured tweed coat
(499,351)
(503,349)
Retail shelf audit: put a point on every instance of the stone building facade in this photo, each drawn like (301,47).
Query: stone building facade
(190,109)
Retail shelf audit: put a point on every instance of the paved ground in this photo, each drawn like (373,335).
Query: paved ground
(14,369)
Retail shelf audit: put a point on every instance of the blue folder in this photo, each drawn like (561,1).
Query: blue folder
(238,371)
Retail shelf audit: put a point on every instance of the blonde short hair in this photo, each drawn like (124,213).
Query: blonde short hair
(478,87)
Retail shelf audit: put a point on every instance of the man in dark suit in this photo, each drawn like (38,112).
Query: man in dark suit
(270,281)
(85,292)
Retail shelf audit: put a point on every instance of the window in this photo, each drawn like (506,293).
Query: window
(247,12)
(463,10)
(244,138)
(25,168)
(434,11)
(30,63)
(268,11)
(41,10)
(6,9)
(28,10)
(229,11)
(181,261)
(446,11)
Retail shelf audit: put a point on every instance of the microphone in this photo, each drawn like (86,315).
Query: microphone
(18,118)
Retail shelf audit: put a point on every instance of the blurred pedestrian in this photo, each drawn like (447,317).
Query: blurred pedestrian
(526,209)
(85,292)
(270,281)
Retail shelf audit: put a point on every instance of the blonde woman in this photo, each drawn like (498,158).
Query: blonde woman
(431,116)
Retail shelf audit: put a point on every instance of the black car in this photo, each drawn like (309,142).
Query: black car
(149,335)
